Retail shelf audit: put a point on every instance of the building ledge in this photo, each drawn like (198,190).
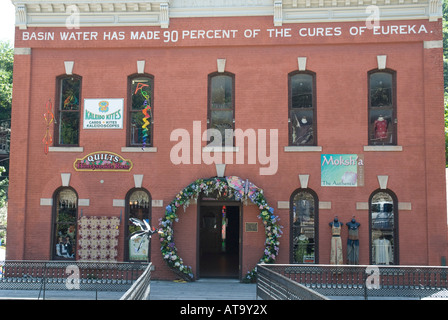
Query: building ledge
(383,148)
(66,149)
(220,149)
(303,149)
(88,13)
(139,149)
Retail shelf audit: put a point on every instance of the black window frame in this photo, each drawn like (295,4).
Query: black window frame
(377,111)
(209,107)
(55,223)
(315,197)
(130,111)
(59,111)
(128,223)
(292,120)
(395,228)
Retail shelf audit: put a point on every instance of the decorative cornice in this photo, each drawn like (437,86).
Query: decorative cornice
(83,13)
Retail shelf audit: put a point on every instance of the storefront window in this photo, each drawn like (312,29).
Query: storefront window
(138,207)
(68,111)
(221,108)
(302,124)
(382,109)
(65,211)
(304,223)
(141,108)
(383,228)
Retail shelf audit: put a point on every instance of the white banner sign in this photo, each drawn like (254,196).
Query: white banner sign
(103,113)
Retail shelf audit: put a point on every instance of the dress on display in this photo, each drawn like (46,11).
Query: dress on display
(380,127)
(336,244)
(382,251)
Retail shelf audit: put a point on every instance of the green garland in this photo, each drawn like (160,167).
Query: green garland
(223,189)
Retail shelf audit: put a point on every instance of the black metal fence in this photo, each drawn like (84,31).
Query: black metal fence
(376,282)
(141,288)
(69,275)
(274,286)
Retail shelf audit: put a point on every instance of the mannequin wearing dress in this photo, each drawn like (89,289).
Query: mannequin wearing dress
(382,251)
(336,242)
(380,128)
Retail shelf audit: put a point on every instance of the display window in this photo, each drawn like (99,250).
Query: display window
(302,109)
(68,111)
(139,207)
(304,227)
(383,228)
(140,110)
(221,108)
(382,108)
(65,224)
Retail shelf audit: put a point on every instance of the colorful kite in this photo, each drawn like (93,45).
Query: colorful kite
(49,118)
(146,111)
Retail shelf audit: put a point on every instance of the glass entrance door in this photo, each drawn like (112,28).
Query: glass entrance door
(219,248)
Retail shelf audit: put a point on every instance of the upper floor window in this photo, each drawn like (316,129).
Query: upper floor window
(382,108)
(68,111)
(304,226)
(65,224)
(302,109)
(221,108)
(138,206)
(140,110)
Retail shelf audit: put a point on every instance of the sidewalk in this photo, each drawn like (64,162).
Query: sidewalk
(204,289)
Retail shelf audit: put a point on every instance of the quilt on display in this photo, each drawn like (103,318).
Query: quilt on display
(98,238)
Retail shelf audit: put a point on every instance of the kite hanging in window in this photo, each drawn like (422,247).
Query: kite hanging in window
(49,118)
(146,111)
(70,101)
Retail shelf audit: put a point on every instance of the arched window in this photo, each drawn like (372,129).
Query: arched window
(140,101)
(138,206)
(67,113)
(65,224)
(221,107)
(382,107)
(302,108)
(304,227)
(383,219)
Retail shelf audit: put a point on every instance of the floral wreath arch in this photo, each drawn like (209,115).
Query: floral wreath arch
(231,186)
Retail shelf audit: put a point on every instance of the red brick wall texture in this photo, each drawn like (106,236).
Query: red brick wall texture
(340,59)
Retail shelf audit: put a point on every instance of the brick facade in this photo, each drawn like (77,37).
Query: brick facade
(261,65)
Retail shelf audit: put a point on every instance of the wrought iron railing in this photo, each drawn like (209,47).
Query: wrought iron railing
(366,282)
(274,286)
(141,288)
(69,275)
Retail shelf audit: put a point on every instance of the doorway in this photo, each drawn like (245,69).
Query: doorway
(219,241)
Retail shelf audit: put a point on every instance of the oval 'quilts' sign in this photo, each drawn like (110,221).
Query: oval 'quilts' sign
(103,161)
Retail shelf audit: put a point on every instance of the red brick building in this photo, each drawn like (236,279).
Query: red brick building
(137,109)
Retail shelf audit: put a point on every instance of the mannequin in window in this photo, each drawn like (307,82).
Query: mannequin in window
(62,246)
(68,247)
(304,210)
(382,251)
(380,128)
(302,131)
(336,242)
(353,242)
